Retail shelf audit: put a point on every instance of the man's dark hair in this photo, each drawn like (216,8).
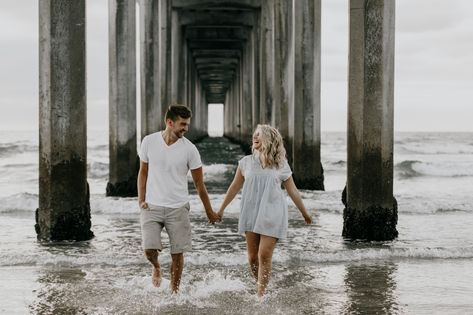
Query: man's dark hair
(177,110)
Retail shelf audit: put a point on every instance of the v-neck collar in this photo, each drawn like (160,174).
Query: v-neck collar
(168,146)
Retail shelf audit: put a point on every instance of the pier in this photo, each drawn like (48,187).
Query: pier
(260,59)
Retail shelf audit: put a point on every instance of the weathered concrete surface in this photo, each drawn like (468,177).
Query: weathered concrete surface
(282,69)
(256,72)
(370,212)
(165,10)
(247,93)
(151,106)
(266,62)
(64,210)
(373,227)
(122,99)
(176,58)
(304,117)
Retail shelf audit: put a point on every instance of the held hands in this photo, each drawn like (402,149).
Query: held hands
(213,217)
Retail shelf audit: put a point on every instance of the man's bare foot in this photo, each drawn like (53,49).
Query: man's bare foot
(156,277)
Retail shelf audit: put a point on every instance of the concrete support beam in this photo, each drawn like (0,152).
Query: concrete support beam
(305,106)
(122,99)
(225,115)
(283,69)
(176,58)
(196,107)
(204,110)
(216,17)
(266,63)
(371,211)
(246,93)
(64,210)
(192,81)
(227,121)
(233,110)
(165,74)
(151,107)
(199,4)
(238,105)
(234,122)
(185,58)
(255,69)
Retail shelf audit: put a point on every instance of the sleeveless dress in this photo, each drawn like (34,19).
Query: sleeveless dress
(263,202)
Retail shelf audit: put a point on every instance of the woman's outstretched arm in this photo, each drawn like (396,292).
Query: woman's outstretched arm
(234,188)
(292,191)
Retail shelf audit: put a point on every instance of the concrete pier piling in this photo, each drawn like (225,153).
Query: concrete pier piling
(304,114)
(64,211)
(371,211)
(266,62)
(151,106)
(246,91)
(282,69)
(122,99)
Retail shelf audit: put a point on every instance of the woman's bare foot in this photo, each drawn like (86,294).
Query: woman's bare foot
(260,290)
(156,277)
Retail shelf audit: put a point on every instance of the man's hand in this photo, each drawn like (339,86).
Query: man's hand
(143,204)
(141,183)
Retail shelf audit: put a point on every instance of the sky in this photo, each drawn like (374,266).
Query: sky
(433,65)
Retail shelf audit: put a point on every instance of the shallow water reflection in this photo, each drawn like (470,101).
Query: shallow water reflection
(53,296)
(371,288)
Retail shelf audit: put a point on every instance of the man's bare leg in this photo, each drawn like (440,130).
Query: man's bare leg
(152,256)
(252,246)
(177,266)
(265,257)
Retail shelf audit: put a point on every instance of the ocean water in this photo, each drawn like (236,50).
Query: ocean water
(427,270)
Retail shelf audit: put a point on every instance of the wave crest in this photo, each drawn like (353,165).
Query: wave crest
(415,168)
(8,149)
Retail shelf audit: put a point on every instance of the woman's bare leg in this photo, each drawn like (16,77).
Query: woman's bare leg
(252,245)
(265,257)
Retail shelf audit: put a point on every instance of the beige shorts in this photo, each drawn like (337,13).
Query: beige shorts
(177,224)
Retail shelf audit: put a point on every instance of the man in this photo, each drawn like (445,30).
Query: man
(165,159)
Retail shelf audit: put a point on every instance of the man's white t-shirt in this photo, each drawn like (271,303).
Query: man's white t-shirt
(168,166)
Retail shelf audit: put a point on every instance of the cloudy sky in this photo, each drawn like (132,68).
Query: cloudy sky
(433,78)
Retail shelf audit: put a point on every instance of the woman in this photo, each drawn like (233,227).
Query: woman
(263,216)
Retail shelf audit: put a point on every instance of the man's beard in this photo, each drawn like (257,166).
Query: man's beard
(179,134)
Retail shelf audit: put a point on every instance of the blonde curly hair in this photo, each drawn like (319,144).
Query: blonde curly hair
(272,151)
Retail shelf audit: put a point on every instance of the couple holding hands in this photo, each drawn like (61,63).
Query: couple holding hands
(165,159)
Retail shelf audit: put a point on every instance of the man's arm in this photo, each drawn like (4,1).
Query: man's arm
(198,177)
(234,188)
(142,178)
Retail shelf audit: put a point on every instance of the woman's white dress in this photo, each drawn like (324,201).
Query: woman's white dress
(263,202)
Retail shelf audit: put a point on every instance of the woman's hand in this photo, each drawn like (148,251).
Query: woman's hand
(307,218)
(220,214)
